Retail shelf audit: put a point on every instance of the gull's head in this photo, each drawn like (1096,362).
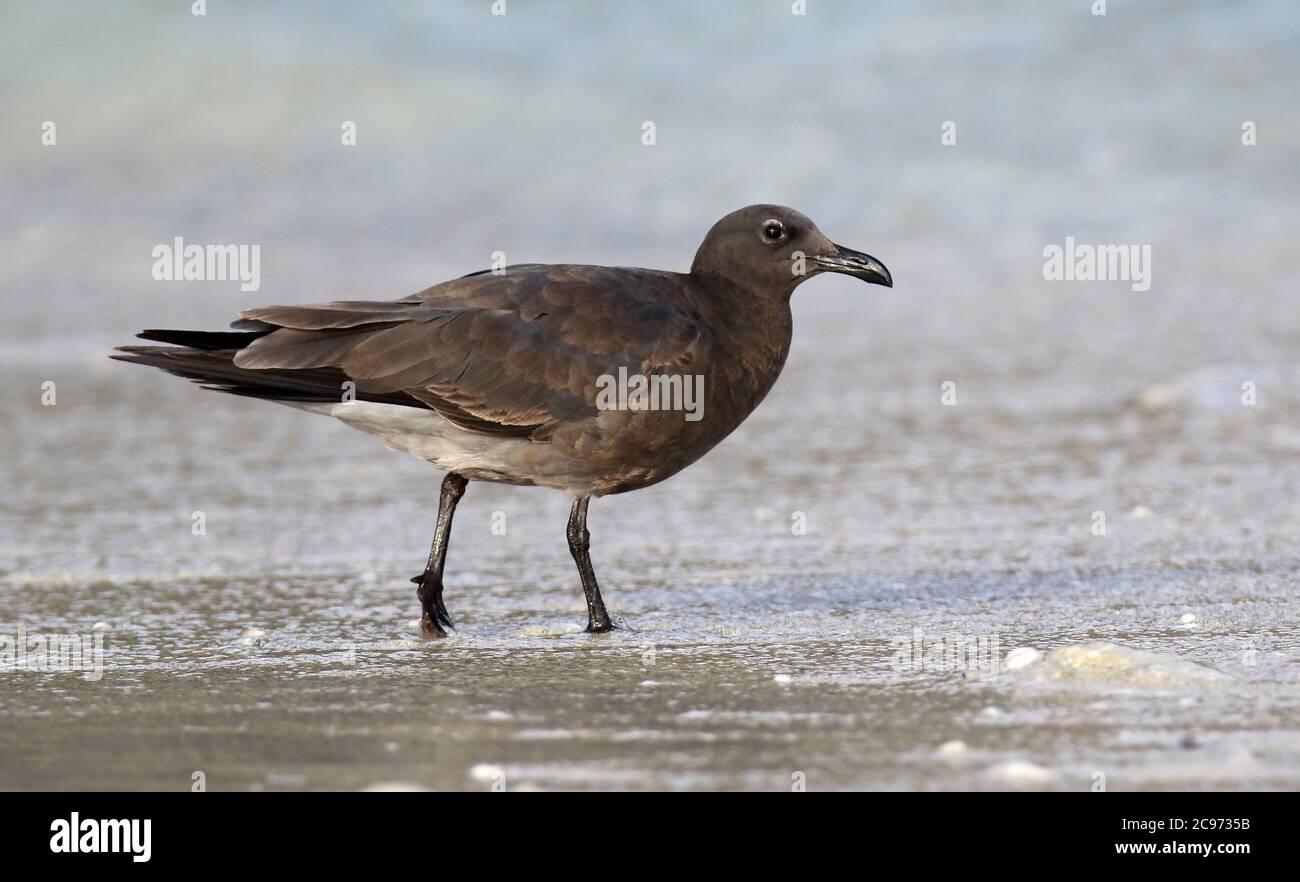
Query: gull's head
(774,248)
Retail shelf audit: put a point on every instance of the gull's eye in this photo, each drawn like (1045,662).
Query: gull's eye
(773,231)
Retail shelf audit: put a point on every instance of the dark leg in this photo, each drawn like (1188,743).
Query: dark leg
(579,543)
(434,618)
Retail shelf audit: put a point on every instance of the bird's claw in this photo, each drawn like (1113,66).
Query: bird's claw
(614,623)
(435,621)
(431,628)
(444,617)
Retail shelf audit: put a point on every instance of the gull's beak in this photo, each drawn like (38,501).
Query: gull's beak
(855,263)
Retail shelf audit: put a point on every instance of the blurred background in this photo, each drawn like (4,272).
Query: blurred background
(275,651)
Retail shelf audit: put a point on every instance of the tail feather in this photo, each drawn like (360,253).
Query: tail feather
(204,340)
(213,367)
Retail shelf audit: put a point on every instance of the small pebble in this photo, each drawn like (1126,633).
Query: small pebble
(486,772)
(1019,773)
(1022,657)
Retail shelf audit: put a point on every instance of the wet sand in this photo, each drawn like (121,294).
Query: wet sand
(278,650)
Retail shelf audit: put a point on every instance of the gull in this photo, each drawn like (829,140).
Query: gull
(592,380)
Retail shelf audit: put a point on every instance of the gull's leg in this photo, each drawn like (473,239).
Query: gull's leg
(434,618)
(579,543)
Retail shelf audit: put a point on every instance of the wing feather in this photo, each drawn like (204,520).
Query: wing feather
(503,353)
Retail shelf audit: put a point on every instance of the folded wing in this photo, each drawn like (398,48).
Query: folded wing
(503,354)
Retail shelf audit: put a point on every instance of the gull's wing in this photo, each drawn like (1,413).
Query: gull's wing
(503,353)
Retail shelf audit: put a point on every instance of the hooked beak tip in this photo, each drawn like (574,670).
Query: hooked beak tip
(856,264)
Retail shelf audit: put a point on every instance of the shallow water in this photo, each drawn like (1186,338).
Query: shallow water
(277,650)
